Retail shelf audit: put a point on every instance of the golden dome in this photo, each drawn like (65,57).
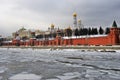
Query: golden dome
(52,25)
(74,14)
(79,20)
(69,27)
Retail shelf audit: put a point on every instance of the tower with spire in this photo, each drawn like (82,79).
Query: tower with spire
(114,24)
(115,34)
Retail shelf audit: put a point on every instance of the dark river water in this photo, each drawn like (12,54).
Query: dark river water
(67,64)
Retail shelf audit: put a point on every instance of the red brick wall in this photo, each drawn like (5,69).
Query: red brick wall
(111,39)
(91,41)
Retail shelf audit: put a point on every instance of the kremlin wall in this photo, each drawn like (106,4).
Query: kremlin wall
(60,38)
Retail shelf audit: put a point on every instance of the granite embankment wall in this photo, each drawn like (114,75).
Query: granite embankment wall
(115,47)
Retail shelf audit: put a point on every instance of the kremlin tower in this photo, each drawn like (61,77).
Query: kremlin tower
(77,35)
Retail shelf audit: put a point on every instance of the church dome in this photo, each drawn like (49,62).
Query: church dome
(79,20)
(74,14)
(52,25)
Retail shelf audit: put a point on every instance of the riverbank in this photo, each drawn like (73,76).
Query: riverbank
(115,47)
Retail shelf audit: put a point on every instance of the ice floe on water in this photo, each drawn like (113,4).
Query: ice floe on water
(63,64)
(70,75)
(25,76)
(1,77)
(93,73)
(118,51)
(3,69)
(114,76)
(52,79)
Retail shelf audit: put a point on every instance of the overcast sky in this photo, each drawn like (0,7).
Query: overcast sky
(39,14)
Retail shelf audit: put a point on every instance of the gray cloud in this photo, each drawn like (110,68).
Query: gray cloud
(41,13)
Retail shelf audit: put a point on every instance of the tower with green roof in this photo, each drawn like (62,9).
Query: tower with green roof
(114,24)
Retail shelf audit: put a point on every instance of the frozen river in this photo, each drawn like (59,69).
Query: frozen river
(44,64)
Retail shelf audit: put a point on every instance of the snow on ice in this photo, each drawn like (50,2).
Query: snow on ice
(25,76)
(66,64)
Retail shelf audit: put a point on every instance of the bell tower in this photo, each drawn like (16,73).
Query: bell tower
(74,20)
